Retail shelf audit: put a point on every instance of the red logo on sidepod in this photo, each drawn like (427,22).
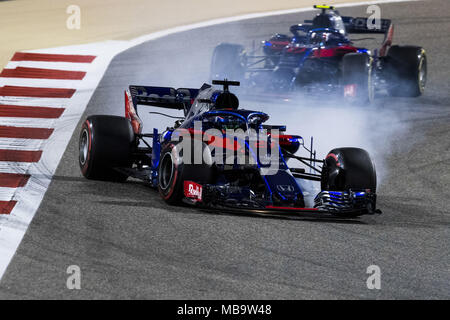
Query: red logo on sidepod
(193,190)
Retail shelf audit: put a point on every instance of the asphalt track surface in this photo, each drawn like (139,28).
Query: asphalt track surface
(130,244)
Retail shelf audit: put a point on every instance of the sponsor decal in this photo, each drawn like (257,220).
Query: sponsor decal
(193,190)
(285,188)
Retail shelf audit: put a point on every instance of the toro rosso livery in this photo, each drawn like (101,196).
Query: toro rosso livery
(114,148)
(319,56)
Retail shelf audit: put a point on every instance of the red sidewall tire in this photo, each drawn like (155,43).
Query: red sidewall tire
(105,146)
(86,129)
(170,186)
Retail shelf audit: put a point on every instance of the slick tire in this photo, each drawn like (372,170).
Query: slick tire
(348,168)
(106,143)
(407,71)
(357,78)
(173,171)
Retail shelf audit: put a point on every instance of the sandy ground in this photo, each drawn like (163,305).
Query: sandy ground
(36,24)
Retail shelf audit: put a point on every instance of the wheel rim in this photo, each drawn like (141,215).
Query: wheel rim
(167,170)
(371,87)
(422,74)
(84,147)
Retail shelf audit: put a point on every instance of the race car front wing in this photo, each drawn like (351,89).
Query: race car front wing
(242,198)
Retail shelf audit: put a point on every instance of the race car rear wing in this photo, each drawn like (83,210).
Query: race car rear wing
(163,97)
(361,25)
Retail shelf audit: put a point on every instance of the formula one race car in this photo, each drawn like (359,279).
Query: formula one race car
(219,156)
(320,57)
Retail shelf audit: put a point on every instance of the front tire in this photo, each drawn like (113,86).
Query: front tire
(173,171)
(170,172)
(348,168)
(357,78)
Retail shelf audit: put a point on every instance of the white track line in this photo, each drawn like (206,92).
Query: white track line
(41,83)
(15,167)
(37,102)
(20,144)
(27,122)
(7,194)
(33,169)
(34,102)
(14,226)
(49,65)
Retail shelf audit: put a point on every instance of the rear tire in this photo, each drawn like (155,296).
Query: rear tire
(407,71)
(357,78)
(228,61)
(106,142)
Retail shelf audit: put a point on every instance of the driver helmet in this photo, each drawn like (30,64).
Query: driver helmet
(226,100)
(322,21)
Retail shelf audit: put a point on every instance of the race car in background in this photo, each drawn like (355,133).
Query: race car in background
(114,148)
(320,57)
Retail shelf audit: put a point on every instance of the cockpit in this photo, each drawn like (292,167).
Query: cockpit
(219,109)
(326,27)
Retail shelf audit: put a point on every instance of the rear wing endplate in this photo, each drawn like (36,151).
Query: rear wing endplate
(163,97)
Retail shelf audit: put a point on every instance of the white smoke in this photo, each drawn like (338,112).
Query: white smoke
(336,124)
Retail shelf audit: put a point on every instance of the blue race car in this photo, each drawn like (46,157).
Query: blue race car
(320,57)
(223,157)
